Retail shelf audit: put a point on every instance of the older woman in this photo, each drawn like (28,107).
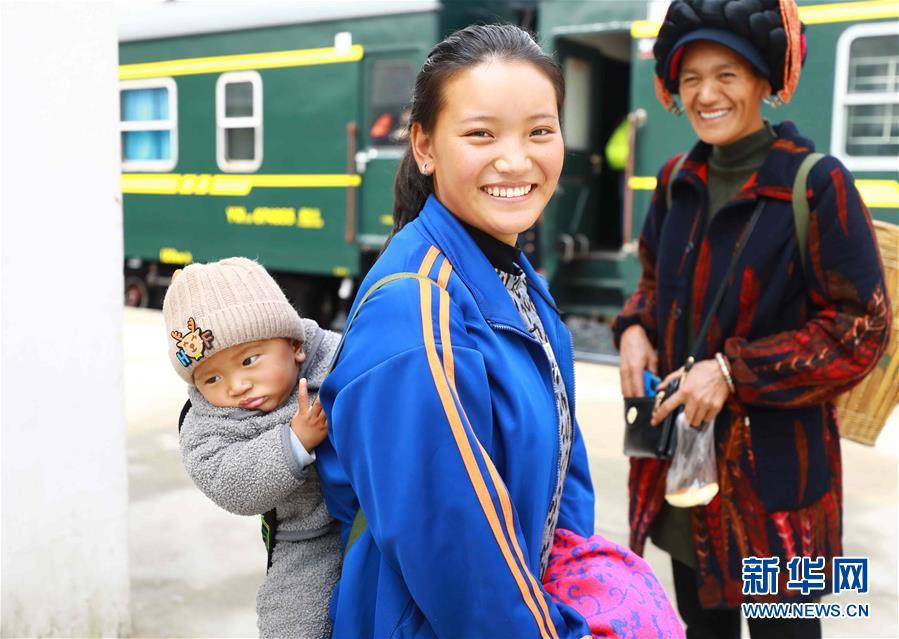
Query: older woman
(787,336)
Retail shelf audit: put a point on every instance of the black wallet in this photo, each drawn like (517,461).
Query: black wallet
(641,438)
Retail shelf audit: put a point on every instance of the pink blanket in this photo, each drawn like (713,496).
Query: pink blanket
(614,589)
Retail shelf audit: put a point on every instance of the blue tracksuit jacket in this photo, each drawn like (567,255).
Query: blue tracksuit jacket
(444,429)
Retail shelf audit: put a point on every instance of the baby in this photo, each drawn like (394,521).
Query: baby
(253,366)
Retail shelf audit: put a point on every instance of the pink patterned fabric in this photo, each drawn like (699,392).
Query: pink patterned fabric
(614,589)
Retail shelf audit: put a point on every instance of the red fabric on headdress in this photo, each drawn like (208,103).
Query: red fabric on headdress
(789,14)
(675,63)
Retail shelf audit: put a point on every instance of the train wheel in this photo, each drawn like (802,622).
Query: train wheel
(136,293)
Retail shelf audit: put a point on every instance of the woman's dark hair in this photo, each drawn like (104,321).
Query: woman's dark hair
(461,50)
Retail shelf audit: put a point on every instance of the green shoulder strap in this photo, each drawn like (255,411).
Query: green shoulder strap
(374,287)
(674,171)
(269,519)
(800,204)
(359,526)
(359,521)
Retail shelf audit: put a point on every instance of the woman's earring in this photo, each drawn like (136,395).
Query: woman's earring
(424,169)
(773,101)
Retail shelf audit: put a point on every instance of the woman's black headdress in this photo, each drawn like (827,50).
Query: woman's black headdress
(771,27)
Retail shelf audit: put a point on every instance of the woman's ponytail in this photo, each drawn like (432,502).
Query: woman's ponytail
(410,190)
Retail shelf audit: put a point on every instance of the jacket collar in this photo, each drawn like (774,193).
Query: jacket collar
(774,179)
(474,269)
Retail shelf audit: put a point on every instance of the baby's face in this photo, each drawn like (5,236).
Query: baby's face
(255,375)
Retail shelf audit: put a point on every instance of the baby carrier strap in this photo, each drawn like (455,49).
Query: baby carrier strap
(184,410)
(371,290)
(360,524)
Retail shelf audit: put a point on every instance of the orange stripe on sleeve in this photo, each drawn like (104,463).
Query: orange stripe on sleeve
(445,270)
(449,365)
(498,484)
(510,528)
(465,451)
(428,261)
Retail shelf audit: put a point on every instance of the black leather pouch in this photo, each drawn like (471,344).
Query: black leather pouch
(641,438)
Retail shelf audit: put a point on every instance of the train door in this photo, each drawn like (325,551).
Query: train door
(587,215)
(388,78)
(579,184)
(597,77)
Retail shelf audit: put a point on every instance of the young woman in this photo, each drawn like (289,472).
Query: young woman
(452,402)
(787,336)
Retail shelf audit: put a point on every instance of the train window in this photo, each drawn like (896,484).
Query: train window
(865,131)
(238,117)
(148,116)
(388,101)
(576,115)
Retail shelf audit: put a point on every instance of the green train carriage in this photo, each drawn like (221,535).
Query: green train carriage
(847,101)
(271,130)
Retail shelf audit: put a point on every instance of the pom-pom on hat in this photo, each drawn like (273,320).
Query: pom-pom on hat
(211,307)
(767,33)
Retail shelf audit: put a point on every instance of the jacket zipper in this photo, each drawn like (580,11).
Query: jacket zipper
(558,443)
(571,404)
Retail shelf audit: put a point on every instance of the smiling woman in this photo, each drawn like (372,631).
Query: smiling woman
(721,93)
(761,338)
(483,434)
(475,464)
(496,151)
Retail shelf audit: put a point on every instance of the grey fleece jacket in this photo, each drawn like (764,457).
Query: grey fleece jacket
(243,461)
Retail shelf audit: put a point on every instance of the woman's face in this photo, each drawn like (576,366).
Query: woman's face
(496,150)
(721,93)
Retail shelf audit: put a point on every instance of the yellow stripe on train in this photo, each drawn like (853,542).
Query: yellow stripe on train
(877,194)
(222,63)
(809,14)
(228,184)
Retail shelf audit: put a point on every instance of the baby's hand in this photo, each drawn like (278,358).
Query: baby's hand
(309,424)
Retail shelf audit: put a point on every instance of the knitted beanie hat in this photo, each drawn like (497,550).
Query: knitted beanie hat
(767,33)
(211,307)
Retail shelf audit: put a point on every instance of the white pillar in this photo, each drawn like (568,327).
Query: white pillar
(64,473)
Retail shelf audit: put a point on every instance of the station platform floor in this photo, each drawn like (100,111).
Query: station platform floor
(195,568)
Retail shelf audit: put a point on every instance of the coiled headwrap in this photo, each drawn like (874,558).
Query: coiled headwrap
(770,27)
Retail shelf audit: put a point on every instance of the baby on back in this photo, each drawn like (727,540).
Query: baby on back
(248,439)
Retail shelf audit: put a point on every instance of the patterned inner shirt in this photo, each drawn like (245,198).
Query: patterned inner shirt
(516,284)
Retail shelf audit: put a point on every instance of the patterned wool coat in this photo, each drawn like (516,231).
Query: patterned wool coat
(795,339)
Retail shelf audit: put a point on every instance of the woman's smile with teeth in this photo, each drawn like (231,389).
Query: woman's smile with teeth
(504,191)
(713,115)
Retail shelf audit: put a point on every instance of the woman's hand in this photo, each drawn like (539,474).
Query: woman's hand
(702,392)
(637,355)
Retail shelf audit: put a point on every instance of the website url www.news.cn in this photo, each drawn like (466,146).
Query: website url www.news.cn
(805,611)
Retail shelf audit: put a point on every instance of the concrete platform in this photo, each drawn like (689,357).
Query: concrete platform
(195,568)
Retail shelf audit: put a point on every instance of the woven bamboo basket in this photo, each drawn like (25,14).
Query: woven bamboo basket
(863,411)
